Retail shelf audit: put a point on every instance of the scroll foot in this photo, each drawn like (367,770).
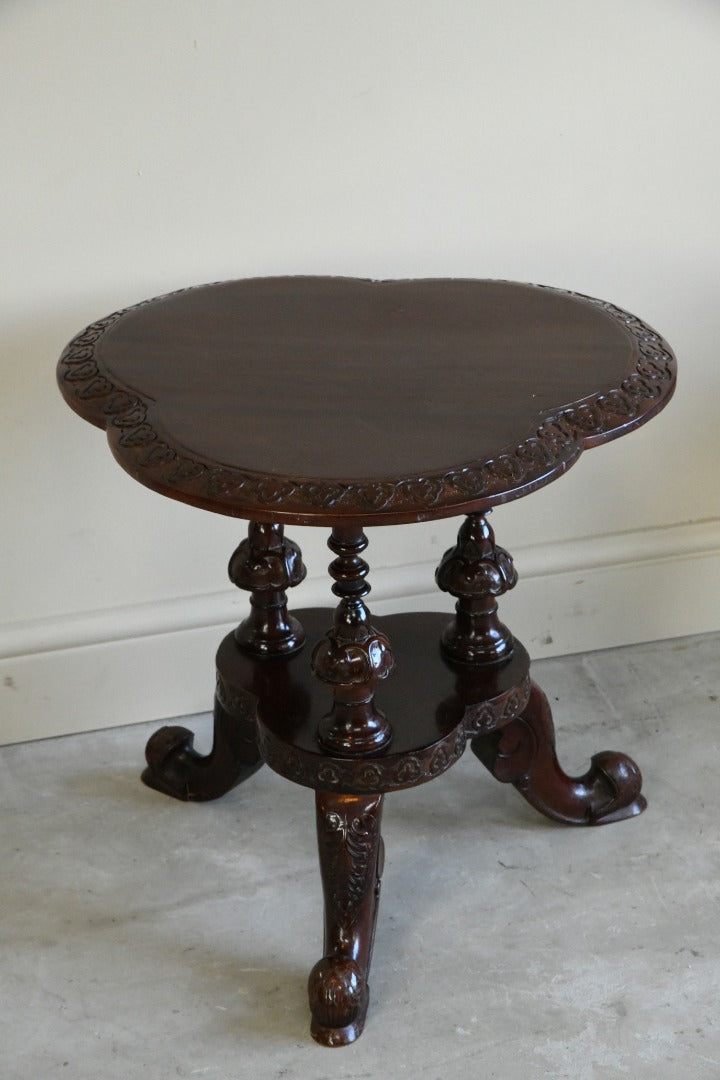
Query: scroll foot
(351,861)
(175,768)
(523,754)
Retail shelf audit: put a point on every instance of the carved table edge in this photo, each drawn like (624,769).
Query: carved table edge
(556,443)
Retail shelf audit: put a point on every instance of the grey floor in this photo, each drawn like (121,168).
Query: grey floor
(143,937)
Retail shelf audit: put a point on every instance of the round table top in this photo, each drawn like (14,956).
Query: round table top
(321,400)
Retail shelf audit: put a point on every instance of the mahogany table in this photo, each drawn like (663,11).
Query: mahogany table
(345,403)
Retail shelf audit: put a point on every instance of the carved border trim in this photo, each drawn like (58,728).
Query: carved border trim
(360,776)
(388,771)
(349,838)
(487,716)
(557,442)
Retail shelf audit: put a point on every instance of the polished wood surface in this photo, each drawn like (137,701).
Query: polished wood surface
(437,708)
(318,400)
(348,403)
(431,708)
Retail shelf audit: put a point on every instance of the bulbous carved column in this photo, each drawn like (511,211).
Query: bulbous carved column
(476,571)
(353,656)
(266,564)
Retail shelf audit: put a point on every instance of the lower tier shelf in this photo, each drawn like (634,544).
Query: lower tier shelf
(433,705)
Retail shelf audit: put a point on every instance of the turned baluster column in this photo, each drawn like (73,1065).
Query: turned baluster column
(353,656)
(266,564)
(476,571)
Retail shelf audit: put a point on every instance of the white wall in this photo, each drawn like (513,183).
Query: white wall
(158,143)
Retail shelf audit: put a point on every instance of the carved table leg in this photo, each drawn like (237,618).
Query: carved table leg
(176,769)
(351,863)
(523,754)
(266,563)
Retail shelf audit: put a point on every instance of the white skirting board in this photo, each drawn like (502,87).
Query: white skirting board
(155,661)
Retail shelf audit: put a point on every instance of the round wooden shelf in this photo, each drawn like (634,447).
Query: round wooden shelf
(433,705)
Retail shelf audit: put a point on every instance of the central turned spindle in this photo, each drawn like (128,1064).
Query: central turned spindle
(353,656)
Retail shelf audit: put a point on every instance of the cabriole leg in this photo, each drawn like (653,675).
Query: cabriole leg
(477,571)
(351,862)
(175,768)
(523,754)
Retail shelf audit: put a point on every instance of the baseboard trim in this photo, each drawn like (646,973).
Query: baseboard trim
(124,665)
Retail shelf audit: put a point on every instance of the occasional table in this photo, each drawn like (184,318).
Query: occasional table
(345,403)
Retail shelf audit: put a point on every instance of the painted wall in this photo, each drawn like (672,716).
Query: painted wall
(150,145)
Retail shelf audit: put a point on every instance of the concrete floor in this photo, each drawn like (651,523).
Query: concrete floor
(143,937)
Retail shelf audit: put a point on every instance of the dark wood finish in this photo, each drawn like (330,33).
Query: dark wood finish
(350,403)
(266,564)
(319,400)
(523,754)
(351,864)
(353,656)
(433,707)
(477,571)
(175,768)
(436,706)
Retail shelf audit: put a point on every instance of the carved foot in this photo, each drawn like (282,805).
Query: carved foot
(523,754)
(351,863)
(175,768)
